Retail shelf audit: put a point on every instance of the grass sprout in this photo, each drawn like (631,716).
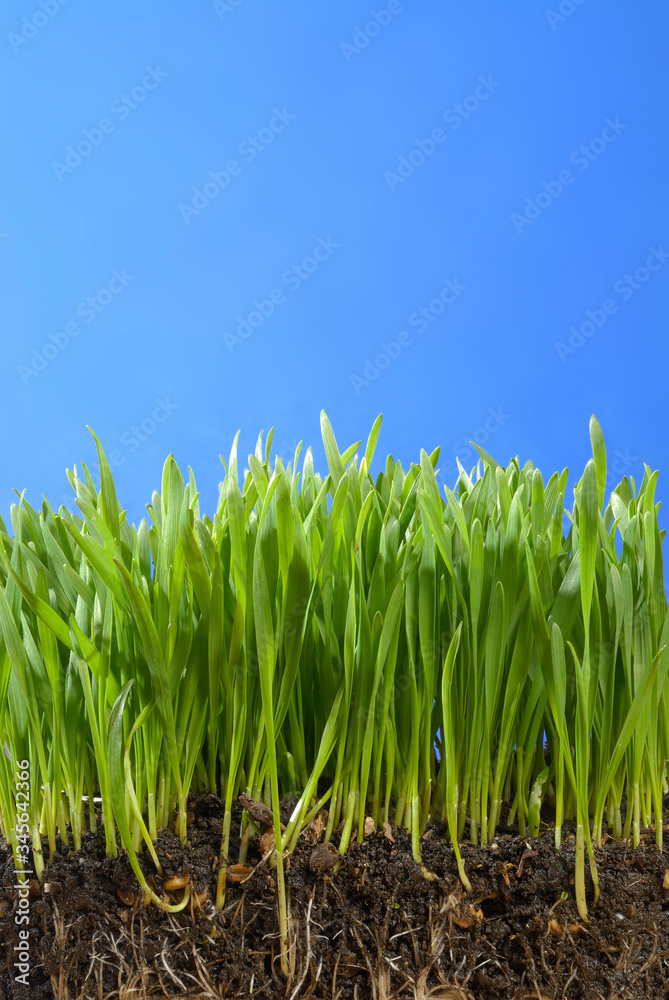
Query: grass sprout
(374,646)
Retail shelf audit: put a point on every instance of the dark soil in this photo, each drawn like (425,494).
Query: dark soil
(374,928)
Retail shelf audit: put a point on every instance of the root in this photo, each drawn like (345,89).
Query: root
(332,952)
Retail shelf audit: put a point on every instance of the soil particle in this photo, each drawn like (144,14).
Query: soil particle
(517,935)
(323,857)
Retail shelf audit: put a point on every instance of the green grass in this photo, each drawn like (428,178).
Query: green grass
(399,647)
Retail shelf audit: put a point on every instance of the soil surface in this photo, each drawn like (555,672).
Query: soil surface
(373,928)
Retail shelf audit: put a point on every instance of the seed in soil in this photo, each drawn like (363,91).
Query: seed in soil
(258,810)
(323,857)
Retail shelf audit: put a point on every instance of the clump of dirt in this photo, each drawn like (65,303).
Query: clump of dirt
(373,927)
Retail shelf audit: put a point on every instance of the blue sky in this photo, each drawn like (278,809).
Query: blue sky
(232,215)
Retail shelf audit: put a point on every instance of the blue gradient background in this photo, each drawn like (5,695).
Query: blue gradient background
(323,177)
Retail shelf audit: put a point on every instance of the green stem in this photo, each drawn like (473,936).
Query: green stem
(579,875)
